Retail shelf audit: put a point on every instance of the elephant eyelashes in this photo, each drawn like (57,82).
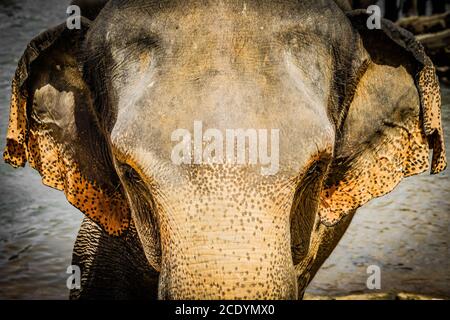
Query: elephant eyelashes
(318,168)
(129,173)
(305,206)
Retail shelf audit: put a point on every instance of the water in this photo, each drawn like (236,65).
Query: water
(405,233)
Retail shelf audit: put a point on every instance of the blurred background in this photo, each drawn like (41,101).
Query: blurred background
(405,233)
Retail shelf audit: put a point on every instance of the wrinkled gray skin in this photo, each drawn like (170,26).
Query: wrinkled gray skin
(197,70)
(212,231)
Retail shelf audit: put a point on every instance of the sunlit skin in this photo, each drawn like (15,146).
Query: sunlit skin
(106,100)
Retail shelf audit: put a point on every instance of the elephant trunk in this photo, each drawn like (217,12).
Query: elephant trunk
(224,258)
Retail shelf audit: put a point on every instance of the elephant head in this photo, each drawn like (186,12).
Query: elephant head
(345,112)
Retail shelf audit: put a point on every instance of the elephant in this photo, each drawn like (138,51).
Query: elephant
(98,111)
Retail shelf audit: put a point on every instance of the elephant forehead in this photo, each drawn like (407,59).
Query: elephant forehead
(184,152)
(281,110)
(275,133)
(212,73)
(228,69)
(201,15)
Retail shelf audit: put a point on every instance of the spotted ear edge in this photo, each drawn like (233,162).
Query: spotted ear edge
(353,188)
(30,140)
(430,99)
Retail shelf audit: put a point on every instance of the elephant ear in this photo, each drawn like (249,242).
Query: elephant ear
(54,127)
(392,121)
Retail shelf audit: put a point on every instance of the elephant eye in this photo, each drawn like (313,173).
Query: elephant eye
(319,167)
(128,172)
(314,169)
